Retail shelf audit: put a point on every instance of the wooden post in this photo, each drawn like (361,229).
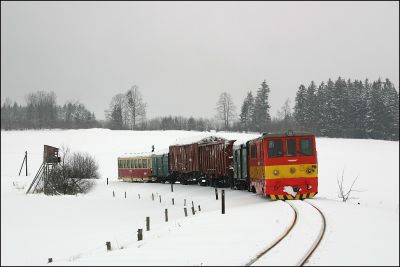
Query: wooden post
(173,201)
(223,201)
(172,187)
(152,196)
(107,180)
(184,203)
(50,260)
(22,165)
(125,194)
(199,208)
(139,196)
(26,163)
(113,193)
(216,194)
(160,198)
(185,210)
(147,223)
(140,234)
(192,204)
(193,210)
(166,215)
(108,244)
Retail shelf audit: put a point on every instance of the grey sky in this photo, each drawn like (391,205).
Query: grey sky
(183,55)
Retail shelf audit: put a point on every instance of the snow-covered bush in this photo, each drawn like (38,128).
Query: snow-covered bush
(73,175)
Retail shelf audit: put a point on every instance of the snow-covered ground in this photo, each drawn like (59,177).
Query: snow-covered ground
(73,230)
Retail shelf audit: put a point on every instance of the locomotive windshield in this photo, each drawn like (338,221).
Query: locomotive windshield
(306,147)
(275,148)
(291,147)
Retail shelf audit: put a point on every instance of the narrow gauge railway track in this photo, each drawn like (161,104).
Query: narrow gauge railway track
(280,249)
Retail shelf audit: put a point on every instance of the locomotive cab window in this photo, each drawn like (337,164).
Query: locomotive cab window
(145,163)
(291,147)
(306,147)
(275,148)
(253,151)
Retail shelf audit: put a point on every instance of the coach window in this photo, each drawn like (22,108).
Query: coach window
(139,163)
(135,163)
(291,147)
(275,148)
(306,147)
(145,163)
(253,151)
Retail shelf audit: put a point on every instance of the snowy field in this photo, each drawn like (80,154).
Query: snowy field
(73,230)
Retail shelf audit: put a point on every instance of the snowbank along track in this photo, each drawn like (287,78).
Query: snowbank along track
(294,205)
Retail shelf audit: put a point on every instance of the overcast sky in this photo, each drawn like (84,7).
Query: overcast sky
(183,55)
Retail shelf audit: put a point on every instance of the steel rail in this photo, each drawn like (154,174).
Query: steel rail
(276,242)
(320,236)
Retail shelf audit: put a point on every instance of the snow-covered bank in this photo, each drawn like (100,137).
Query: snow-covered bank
(74,229)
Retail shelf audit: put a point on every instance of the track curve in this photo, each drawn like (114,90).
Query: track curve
(286,250)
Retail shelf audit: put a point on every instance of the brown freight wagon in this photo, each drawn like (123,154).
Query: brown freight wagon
(184,163)
(216,163)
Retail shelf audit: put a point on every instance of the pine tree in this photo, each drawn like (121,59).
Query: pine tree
(300,107)
(310,108)
(261,116)
(375,127)
(246,113)
(391,116)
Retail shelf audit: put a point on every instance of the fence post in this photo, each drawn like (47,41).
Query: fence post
(172,187)
(108,244)
(184,204)
(185,210)
(26,163)
(113,193)
(107,180)
(152,196)
(50,260)
(160,198)
(140,234)
(147,223)
(173,201)
(216,194)
(193,210)
(139,196)
(166,215)
(199,208)
(125,194)
(192,204)
(223,201)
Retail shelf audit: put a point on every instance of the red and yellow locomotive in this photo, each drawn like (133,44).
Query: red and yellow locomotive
(283,166)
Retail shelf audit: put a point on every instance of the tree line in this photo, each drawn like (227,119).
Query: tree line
(348,109)
(42,112)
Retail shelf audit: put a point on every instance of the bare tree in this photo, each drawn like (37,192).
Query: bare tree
(225,108)
(342,192)
(135,105)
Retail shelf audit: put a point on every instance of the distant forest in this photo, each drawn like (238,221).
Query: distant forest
(341,108)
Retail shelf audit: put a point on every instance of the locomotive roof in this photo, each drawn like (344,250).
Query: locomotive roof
(286,134)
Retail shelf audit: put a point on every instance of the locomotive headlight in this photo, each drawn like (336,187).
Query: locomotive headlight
(292,170)
(309,170)
(275,172)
